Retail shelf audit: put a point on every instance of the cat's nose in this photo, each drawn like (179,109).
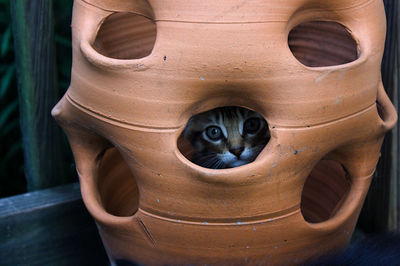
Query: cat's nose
(237,151)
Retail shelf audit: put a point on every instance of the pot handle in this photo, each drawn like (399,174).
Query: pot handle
(88,148)
(389,114)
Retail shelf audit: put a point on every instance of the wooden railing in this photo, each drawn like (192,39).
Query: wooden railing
(49,227)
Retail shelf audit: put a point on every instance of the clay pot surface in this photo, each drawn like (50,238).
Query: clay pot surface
(141,69)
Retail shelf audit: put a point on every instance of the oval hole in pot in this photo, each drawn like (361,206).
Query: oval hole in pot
(322,43)
(324,191)
(221,153)
(117,187)
(126,35)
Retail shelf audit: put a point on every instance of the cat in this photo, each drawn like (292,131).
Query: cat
(226,137)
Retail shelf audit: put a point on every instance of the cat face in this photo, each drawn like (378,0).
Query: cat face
(226,137)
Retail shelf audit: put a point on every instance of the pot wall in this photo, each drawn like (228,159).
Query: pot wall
(124,117)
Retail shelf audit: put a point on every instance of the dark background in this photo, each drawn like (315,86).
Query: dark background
(12,175)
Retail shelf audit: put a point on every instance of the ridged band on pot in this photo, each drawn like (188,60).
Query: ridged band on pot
(123,118)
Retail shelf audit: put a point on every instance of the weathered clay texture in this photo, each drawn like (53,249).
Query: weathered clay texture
(142,68)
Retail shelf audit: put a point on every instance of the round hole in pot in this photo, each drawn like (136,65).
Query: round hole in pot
(324,191)
(126,35)
(117,187)
(322,43)
(224,137)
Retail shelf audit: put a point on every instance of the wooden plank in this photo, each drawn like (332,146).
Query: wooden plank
(49,227)
(34,44)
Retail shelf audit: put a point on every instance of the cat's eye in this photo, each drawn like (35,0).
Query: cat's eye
(252,125)
(214,133)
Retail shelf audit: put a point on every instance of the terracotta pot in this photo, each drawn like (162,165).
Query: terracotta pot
(141,69)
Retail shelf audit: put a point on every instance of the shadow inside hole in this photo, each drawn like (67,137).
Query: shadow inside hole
(126,36)
(117,187)
(380,110)
(324,191)
(322,43)
(224,137)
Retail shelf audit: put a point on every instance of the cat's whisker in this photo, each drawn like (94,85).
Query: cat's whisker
(210,163)
(215,163)
(220,165)
(206,156)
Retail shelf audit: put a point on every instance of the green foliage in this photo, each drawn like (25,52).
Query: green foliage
(7,78)
(12,179)
(63,16)
(62,21)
